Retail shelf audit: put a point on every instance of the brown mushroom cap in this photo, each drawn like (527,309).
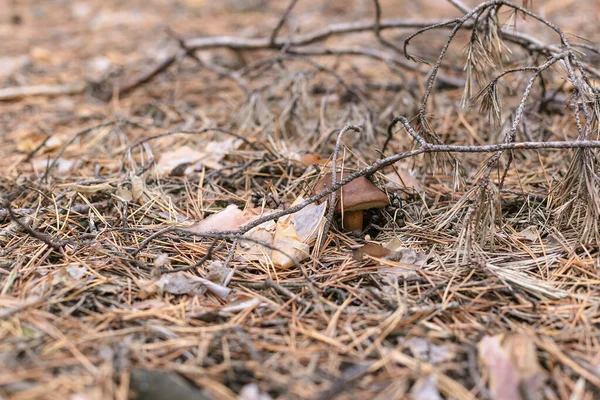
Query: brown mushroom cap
(360,194)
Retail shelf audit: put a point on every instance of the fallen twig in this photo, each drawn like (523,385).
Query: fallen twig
(14,93)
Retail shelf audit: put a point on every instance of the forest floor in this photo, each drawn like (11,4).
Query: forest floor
(145,244)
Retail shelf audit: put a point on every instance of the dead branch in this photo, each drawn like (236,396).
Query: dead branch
(14,93)
(43,237)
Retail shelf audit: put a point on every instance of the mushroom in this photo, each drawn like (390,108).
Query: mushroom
(356,196)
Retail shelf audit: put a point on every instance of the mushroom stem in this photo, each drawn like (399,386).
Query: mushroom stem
(352,220)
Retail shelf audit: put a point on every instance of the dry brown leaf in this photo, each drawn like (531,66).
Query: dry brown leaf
(295,233)
(286,239)
(216,151)
(402,178)
(251,391)
(62,166)
(40,54)
(161,260)
(393,257)
(181,283)
(8,65)
(312,158)
(372,250)
(124,194)
(513,367)
(74,275)
(424,350)
(230,218)
(185,160)
(150,304)
(251,251)
(137,187)
(530,233)
(425,388)
(310,221)
(97,68)
(184,155)
(217,272)
(240,305)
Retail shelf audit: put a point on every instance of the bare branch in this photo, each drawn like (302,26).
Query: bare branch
(281,21)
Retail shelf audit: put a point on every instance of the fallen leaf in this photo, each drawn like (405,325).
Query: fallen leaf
(292,234)
(402,178)
(218,150)
(424,350)
(124,194)
(76,271)
(231,218)
(29,141)
(311,158)
(217,272)
(171,160)
(372,250)
(137,187)
(425,388)
(72,275)
(292,248)
(8,65)
(512,366)
(97,68)
(530,233)
(239,306)
(178,283)
(251,251)
(394,244)
(404,260)
(393,257)
(62,166)
(40,54)
(55,142)
(185,159)
(409,257)
(309,221)
(251,391)
(181,283)
(160,260)
(295,233)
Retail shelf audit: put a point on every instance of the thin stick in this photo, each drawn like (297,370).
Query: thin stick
(208,256)
(280,23)
(148,75)
(14,93)
(43,237)
(377,29)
